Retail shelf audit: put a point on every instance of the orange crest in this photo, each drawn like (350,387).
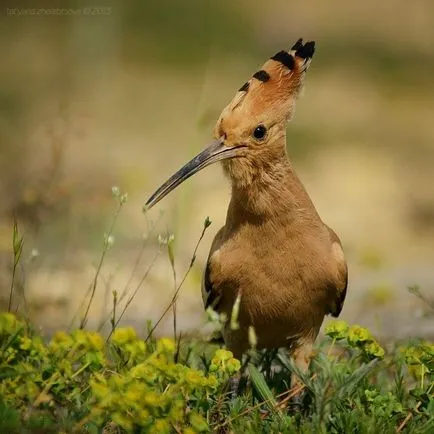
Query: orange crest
(273,89)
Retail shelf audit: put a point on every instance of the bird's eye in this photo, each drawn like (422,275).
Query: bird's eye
(259,132)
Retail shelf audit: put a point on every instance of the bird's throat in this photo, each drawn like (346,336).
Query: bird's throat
(273,192)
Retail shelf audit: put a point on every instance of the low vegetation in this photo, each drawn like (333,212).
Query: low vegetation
(79,382)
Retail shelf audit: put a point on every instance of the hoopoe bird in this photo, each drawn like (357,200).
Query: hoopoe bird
(274,253)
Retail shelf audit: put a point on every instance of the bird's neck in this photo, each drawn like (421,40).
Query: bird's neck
(274,192)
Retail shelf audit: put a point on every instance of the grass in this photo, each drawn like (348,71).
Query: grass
(130,382)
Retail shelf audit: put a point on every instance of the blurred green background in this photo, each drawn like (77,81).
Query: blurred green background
(96,95)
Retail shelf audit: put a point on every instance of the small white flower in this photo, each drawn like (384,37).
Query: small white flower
(34,253)
(115,191)
(165,240)
(124,198)
(109,240)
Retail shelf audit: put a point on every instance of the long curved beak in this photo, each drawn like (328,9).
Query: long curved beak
(216,151)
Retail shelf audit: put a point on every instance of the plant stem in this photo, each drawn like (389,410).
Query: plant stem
(137,262)
(17,246)
(106,248)
(134,293)
(175,295)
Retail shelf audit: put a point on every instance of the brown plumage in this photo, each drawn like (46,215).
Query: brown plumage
(274,251)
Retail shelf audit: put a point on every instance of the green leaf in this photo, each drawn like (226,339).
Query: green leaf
(9,418)
(351,383)
(264,391)
(17,243)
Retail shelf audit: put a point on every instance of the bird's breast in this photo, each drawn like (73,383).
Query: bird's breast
(281,285)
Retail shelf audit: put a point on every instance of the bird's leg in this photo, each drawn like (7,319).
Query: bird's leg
(302,355)
(234,384)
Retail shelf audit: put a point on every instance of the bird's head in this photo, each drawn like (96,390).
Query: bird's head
(250,132)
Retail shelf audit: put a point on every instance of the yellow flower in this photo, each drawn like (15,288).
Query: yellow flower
(213,367)
(64,367)
(166,345)
(336,329)
(144,416)
(28,390)
(134,393)
(374,349)
(25,343)
(61,342)
(124,335)
(224,360)
(422,354)
(198,422)
(152,399)
(176,412)
(96,341)
(38,346)
(413,355)
(223,355)
(80,338)
(194,378)
(99,390)
(358,334)
(8,323)
(123,420)
(212,381)
(233,366)
(145,372)
(160,426)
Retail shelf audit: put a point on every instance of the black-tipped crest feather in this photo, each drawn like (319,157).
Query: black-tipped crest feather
(244,87)
(284,58)
(306,51)
(297,45)
(262,75)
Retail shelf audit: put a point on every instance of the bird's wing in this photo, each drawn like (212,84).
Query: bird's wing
(341,281)
(210,295)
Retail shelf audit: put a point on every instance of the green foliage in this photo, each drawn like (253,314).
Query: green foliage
(78,382)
